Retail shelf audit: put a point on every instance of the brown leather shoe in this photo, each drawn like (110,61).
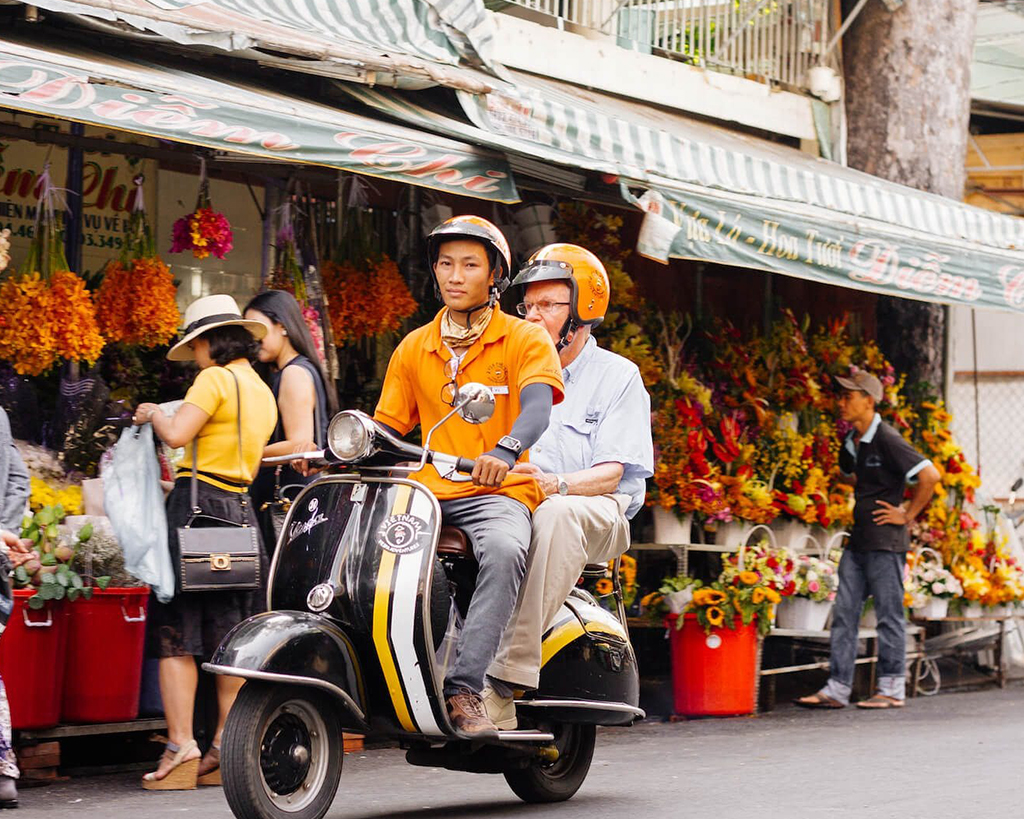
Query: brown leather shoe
(467,713)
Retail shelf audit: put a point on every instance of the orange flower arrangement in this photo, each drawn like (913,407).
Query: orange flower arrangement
(365,303)
(26,333)
(73,318)
(136,303)
(46,312)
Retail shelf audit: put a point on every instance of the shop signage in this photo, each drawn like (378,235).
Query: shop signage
(846,253)
(108,195)
(213,114)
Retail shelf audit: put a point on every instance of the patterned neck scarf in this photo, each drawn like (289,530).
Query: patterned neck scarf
(458,335)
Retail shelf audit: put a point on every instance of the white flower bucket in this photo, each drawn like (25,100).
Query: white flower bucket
(679,600)
(803,613)
(973,610)
(791,534)
(670,529)
(733,534)
(935,609)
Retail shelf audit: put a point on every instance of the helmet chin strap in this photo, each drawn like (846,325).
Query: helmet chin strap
(566,334)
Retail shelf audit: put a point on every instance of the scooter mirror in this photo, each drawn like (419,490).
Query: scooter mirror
(475,403)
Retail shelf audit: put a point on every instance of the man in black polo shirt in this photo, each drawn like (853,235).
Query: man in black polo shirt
(880,463)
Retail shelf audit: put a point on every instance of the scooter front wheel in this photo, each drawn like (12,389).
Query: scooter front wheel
(559,780)
(281,752)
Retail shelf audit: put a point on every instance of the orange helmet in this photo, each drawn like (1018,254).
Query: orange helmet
(478,228)
(581,270)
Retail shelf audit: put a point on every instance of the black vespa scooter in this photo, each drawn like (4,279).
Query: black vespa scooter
(366,596)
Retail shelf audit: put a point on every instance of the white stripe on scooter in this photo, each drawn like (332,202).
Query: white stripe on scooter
(403,623)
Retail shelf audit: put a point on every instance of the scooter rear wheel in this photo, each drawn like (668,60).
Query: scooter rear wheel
(281,752)
(559,780)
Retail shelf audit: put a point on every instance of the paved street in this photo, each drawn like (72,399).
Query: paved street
(948,756)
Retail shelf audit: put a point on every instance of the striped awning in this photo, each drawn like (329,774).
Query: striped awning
(788,211)
(166,102)
(415,38)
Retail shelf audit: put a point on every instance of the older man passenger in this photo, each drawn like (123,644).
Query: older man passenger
(591,462)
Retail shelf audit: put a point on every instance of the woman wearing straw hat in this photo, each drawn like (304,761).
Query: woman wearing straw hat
(226,450)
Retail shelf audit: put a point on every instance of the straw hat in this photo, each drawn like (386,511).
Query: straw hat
(204,315)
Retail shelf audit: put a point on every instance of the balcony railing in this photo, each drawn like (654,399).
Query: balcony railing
(773,40)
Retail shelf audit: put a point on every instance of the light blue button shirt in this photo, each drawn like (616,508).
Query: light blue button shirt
(605,417)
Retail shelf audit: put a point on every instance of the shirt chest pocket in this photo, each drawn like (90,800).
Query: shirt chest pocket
(579,432)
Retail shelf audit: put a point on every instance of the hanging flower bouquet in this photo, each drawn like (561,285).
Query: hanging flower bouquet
(136,303)
(46,312)
(203,231)
(366,302)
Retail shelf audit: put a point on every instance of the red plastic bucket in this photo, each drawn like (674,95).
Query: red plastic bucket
(32,652)
(104,656)
(713,674)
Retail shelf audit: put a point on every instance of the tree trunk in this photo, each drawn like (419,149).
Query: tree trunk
(908,108)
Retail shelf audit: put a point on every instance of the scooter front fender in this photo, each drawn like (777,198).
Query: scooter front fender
(297,648)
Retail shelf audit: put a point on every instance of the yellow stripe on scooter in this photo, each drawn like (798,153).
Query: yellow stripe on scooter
(564,634)
(381,598)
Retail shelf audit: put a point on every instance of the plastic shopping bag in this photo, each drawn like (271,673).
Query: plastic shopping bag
(134,502)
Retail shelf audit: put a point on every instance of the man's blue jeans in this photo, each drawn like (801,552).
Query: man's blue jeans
(879,574)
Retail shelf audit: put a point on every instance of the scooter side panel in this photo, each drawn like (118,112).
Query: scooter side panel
(588,660)
(375,550)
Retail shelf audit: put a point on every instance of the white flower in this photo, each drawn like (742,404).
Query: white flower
(811,576)
(938,588)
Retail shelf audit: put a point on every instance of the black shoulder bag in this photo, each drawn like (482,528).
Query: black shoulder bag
(221,555)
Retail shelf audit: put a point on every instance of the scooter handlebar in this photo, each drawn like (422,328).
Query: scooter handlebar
(466,465)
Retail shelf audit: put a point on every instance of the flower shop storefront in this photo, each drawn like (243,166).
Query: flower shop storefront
(126,191)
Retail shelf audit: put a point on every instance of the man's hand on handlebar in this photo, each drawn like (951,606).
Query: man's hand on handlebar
(489,471)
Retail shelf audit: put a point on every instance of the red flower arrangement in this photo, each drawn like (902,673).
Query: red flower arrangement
(204,231)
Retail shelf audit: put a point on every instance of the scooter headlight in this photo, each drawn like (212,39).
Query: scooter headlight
(350,436)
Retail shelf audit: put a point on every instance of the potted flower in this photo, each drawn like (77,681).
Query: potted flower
(714,645)
(930,585)
(815,584)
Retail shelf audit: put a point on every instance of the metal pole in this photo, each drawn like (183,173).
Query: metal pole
(73,214)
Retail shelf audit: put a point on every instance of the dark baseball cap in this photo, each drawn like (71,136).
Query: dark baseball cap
(863,382)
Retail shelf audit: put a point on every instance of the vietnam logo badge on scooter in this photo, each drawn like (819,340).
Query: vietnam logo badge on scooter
(401,534)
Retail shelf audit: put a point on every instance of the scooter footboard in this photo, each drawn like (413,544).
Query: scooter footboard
(297,648)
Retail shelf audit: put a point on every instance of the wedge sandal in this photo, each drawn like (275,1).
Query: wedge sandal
(182,775)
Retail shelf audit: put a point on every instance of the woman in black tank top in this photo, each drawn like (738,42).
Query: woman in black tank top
(291,367)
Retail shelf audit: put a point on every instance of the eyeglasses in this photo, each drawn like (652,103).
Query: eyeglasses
(543,307)
(451,370)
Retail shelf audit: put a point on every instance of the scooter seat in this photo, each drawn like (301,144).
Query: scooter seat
(453,542)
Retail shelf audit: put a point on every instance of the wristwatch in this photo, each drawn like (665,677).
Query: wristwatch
(513,445)
(563,487)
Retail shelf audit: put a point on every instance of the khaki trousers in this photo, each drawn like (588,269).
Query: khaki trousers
(568,532)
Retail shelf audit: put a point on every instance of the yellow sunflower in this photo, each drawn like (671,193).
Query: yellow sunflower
(714,597)
(604,586)
(758,596)
(749,578)
(773,596)
(715,616)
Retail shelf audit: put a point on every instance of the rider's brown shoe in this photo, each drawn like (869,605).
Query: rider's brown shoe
(466,711)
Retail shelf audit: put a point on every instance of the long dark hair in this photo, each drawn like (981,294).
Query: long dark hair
(281,308)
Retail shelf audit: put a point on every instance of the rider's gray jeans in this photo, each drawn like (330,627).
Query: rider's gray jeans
(499,533)
(879,574)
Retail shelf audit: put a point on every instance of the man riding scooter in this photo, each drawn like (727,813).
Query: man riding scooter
(591,462)
(471,339)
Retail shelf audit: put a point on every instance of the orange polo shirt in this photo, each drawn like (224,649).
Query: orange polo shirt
(511,354)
